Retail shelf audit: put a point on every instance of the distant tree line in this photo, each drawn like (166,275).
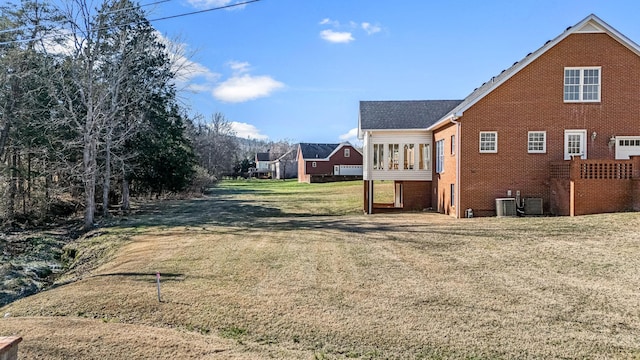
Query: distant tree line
(89,115)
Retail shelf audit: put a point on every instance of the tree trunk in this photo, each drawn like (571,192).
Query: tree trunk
(126,205)
(89,175)
(107,177)
(13,188)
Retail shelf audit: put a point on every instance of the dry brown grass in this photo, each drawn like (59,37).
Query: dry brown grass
(272,271)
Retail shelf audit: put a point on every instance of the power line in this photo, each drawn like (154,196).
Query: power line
(133,23)
(27,27)
(205,10)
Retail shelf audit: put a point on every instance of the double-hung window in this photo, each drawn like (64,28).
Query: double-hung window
(440,156)
(582,84)
(537,143)
(488,142)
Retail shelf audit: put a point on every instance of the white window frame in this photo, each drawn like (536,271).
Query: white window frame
(484,147)
(378,157)
(393,156)
(452,200)
(531,142)
(347,153)
(314,164)
(440,156)
(409,156)
(424,162)
(583,143)
(581,85)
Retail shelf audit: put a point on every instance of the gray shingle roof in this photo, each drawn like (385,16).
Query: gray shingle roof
(262,156)
(418,114)
(317,151)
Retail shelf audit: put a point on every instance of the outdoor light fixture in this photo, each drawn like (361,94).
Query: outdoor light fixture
(593,136)
(612,141)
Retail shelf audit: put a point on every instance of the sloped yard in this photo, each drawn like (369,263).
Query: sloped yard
(287,270)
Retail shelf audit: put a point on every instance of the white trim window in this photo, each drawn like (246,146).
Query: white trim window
(409,157)
(452,191)
(575,144)
(537,142)
(394,156)
(314,164)
(440,156)
(424,162)
(347,153)
(378,156)
(582,84)
(488,142)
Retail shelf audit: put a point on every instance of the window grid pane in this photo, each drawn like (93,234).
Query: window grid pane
(582,84)
(536,142)
(487,142)
(573,144)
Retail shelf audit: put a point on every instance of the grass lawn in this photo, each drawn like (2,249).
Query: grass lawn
(272,269)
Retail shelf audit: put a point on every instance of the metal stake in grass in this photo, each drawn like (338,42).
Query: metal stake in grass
(158,282)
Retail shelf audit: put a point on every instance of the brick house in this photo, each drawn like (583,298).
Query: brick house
(559,130)
(328,162)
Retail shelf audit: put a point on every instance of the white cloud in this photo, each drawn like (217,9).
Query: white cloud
(370,29)
(327,21)
(247,131)
(351,136)
(241,88)
(187,71)
(239,67)
(62,43)
(336,36)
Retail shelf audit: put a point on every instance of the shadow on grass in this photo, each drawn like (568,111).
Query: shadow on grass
(245,210)
(145,277)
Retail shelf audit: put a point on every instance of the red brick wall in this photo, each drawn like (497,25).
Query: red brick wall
(417,194)
(589,197)
(441,200)
(560,202)
(532,100)
(326,167)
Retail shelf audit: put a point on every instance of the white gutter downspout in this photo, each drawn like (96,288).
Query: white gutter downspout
(453,120)
(370,189)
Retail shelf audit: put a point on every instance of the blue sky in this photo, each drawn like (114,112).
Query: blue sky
(296,69)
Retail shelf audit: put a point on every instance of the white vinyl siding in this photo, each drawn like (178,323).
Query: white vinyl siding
(582,84)
(488,142)
(413,156)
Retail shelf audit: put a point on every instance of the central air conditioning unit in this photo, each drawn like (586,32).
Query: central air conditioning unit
(533,206)
(505,207)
